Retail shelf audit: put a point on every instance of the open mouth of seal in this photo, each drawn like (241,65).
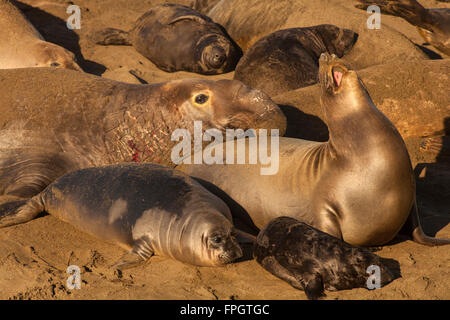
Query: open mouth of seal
(337,72)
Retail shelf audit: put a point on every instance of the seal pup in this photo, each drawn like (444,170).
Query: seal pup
(311,260)
(145,208)
(289,59)
(358,186)
(432,24)
(23,46)
(78,120)
(177,38)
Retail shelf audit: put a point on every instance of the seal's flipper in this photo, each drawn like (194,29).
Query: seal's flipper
(111,36)
(129,260)
(410,10)
(20,211)
(196,18)
(274,267)
(313,286)
(413,228)
(141,252)
(244,237)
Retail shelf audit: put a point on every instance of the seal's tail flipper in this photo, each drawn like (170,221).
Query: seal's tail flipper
(410,10)
(413,227)
(19,211)
(111,36)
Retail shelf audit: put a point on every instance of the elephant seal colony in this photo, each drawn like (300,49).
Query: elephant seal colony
(175,37)
(145,208)
(78,120)
(288,59)
(98,155)
(359,186)
(311,260)
(22,46)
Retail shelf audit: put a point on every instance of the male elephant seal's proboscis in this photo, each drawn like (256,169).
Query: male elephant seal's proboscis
(432,24)
(359,186)
(22,46)
(311,260)
(176,38)
(55,121)
(146,208)
(289,59)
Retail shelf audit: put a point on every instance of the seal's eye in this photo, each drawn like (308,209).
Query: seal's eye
(217,239)
(201,98)
(55,64)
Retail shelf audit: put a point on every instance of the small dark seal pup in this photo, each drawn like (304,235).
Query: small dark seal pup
(176,38)
(145,208)
(432,24)
(289,59)
(312,260)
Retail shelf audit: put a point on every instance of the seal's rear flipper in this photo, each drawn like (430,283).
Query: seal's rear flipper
(20,211)
(413,228)
(111,36)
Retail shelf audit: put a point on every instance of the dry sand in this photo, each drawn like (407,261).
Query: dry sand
(34,256)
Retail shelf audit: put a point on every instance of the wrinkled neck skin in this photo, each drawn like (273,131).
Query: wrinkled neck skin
(138,127)
(357,128)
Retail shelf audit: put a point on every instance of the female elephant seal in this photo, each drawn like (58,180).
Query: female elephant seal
(433,24)
(359,186)
(175,38)
(22,46)
(74,121)
(289,59)
(146,208)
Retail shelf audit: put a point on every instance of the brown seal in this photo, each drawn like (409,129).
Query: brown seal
(145,208)
(23,46)
(54,121)
(432,24)
(289,59)
(177,38)
(358,186)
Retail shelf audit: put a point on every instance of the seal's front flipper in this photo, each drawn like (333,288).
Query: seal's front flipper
(20,211)
(129,260)
(111,36)
(141,253)
(313,286)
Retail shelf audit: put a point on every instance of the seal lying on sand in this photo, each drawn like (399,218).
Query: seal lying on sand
(146,208)
(432,24)
(175,38)
(289,59)
(311,260)
(359,186)
(22,46)
(74,121)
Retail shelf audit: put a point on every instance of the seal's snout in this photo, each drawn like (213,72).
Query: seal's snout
(331,72)
(217,57)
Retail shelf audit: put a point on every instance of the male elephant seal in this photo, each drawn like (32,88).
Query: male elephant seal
(432,24)
(359,186)
(289,59)
(146,208)
(22,46)
(311,260)
(55,121)
(175,38)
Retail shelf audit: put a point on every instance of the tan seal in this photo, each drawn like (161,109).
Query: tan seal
(145,208)
(358,186)
(22,46)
